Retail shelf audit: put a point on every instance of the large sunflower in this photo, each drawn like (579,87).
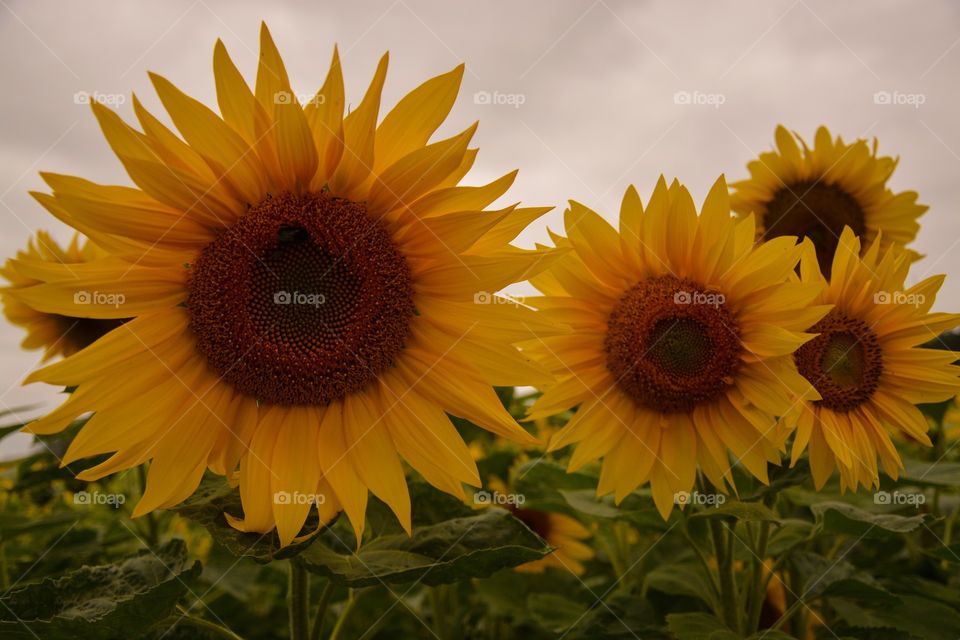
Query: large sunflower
(308,292)
(54,333)
(865,363)
(815,193)
(681,343)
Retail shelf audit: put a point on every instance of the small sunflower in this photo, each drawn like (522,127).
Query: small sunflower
(681,343)
(866,365)
(815,193)
(56,334)
(307,291)
(563,533)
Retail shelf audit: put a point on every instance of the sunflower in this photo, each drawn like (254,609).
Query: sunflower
(681,343)
(54,333)
(564,534)
(309,294)
(865,363)
(815,193)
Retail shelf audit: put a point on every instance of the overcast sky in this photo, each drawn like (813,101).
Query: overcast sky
(582,93)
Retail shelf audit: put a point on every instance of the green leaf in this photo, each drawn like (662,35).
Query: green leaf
(699,626)
(623,616)
(916,616)
(13,525)
(854,589)
(553,612)
(930,474)
(681,580)
(745,511)
(212,499)
(949,553)
(456,549)
(586,501)
(842,518)
(109,602)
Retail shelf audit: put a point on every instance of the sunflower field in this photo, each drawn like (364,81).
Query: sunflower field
(297,402)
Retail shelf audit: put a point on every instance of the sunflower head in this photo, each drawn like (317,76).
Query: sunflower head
(866,364)
(310,292)
(55,333)
(815,193)
(681,343)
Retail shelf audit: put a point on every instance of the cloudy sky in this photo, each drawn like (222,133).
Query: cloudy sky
(579,95)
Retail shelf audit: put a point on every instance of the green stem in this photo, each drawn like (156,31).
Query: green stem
(200,623)
(439,620)
(298,599)
(728,596)
(316,628)
(152,535)
(344,614)
(757,582)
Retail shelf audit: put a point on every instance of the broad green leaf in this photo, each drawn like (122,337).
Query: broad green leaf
(916,616)
(681,580)
(949,553)
(449,551)
(734,509)
(854,589)
(620,616)
(842,518)
(116,601)
(586,501)
(924,473)
(553,612)
(699,626)
(790,534)
(212,499)
(13,525)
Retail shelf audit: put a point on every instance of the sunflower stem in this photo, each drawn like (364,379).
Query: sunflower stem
(298,599)
(757,582)
(728,596)
(344,614)
(316,628)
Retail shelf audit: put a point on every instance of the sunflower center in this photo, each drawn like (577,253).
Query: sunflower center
(817,211)
(843,363)
(671,344)
(304,300)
